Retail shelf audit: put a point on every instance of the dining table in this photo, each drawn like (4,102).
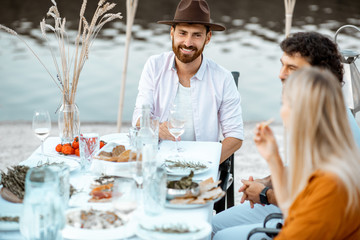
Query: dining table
(204,152)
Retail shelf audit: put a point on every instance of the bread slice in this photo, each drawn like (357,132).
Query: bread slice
(9,196)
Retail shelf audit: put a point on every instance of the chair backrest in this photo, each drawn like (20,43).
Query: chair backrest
(236,76)
(226,169)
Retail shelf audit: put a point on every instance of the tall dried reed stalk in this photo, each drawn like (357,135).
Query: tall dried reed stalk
(289,9)
(70,64)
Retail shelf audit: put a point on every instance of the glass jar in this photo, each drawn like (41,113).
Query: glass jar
(69,122)
(43,212)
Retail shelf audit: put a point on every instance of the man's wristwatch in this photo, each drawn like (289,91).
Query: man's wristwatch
(263,196)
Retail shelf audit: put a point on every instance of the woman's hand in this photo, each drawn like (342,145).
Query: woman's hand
(265,142)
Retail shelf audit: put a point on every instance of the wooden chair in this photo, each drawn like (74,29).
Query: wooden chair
(226,169)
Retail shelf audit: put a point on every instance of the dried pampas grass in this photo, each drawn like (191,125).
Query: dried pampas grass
(69,65)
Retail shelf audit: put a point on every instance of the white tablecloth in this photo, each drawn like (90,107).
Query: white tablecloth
(207,152)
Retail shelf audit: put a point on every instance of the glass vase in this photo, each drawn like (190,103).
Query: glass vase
(69,122)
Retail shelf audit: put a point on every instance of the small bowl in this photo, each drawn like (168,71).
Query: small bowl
(172,193)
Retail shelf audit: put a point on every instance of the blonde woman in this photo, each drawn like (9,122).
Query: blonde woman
(319,192)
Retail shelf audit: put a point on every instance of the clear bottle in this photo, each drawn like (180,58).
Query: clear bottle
(148,141)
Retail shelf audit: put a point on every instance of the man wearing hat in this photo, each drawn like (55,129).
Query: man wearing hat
(185,76)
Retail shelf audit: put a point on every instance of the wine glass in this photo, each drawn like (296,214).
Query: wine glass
(124,195)
(41,125)
(176,126)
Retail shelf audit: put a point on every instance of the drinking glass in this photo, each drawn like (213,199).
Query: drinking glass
(124,197)
(63,175)
(135,159)
(154,124)
(89,144)
(133,131)
(154,194)
(43,214)
(41,125)
(176,126)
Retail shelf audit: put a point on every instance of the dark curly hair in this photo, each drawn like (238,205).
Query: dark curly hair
(317,49)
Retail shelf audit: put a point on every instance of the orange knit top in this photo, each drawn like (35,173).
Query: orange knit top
(318,212)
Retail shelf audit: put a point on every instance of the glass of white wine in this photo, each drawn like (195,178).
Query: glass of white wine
(41,126)
(176,126)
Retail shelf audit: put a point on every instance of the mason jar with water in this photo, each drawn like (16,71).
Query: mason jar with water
(43,214)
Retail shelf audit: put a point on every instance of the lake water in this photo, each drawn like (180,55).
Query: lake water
(250,46)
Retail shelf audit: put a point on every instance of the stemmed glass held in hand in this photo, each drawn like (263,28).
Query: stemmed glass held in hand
(176,125)
(41,125)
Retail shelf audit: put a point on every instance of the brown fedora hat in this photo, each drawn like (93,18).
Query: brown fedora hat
(193,11)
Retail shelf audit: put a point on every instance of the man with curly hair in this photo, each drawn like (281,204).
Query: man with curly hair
(310,49)
(299,50)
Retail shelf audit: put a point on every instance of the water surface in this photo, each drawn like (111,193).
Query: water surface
(250,46)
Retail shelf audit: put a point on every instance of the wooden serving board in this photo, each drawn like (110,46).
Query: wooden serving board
(9,196)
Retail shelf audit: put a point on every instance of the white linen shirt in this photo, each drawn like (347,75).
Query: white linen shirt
(214,96)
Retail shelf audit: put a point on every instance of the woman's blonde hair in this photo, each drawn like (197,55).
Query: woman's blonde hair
(319,132)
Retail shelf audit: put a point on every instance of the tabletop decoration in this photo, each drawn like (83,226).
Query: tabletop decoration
(69,64)
(13,182)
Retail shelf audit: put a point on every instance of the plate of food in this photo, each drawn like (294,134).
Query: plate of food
(99,191)
(72,164)
(97,223)
(185,187)
(184,167)
(113,159)
(209,193)
(56,159)
(174,229)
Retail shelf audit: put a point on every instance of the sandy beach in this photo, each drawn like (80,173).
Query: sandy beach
(18,141)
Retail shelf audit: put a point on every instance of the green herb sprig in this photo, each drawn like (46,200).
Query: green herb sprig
(9,219)
(184,164)
(172,228)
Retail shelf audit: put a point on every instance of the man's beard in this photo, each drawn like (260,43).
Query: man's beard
(186,58)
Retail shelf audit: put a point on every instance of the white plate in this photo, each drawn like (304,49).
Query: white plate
(186,171)
(204,230)
(189,206)
(121,138)
(8,226)
(186,206)
(71,162)
(122,232)
(111,168)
